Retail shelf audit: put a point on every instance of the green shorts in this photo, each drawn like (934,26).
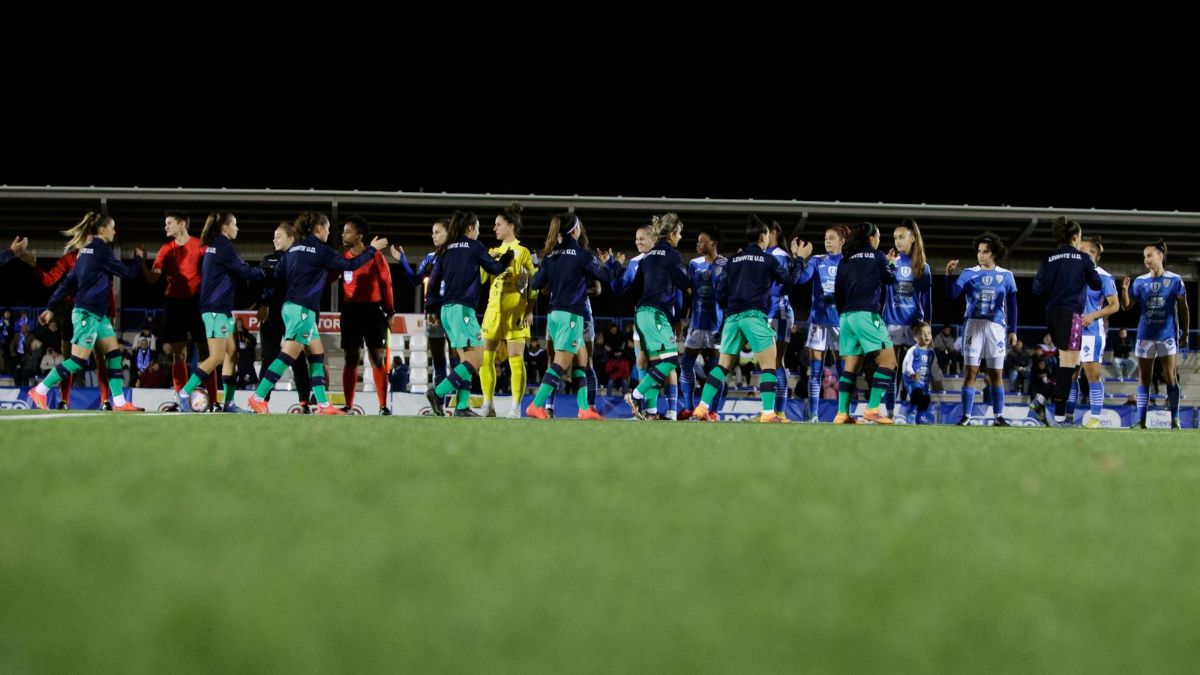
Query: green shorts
(90,328)
(217,325)
(299,323)
(750,326)
(863,333)
(565,330)
(462,328)
(657,334)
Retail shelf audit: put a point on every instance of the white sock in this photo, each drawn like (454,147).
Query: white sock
(118,400)
(42,389)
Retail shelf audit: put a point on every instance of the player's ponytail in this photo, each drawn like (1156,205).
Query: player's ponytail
(1064,230)
(560,225)
(860,237)
(309,221)
(85,229)
(212,227)
(512,215)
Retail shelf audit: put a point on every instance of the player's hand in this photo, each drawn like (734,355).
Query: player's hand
(45,317)
(527,320)
(19,244)
(893,256)
(263,313)
(29,258)
(621,259)
(801,249)
(1125,283)
(951,266)
(1012,339)
(507,258)
(139,252)
(397,252)
(379,243)
(1086,320)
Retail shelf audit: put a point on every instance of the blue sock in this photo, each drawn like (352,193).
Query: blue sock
(687,385)
(997,401)
(1096,397)
(672,397)
(1142,394)
(814,392)
(1072,401)
(1173,400)
(968,401)
(781,388)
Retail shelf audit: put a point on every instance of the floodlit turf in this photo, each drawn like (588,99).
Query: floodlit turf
(289,544)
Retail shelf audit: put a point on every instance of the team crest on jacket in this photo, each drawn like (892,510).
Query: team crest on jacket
(987,281)
(1156,287)
(906,271)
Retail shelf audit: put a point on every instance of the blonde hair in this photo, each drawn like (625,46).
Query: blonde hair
(664,225)
(87,228)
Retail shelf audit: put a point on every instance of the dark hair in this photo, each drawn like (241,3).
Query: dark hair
(1161,245)
(918,248)
(860,237)
(460,222)
(1064,230)
(995,245)
(85,229)
(713,233)
(360,224)
(308,221)
(444,222)
(513,215)
(212,226)
(755,229)
(181,216)
(1095,241)
(560,224)
(921,324)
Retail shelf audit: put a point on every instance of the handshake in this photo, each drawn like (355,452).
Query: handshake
(506,258)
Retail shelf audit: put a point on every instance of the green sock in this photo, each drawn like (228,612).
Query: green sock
(266,385)
(710,392)
(193,382)
(445,387)
(227,389)
(877,392)
(116,383)
(844,396)
(648,383)
(579,375)
(464,399)
(316,373)
(765,380)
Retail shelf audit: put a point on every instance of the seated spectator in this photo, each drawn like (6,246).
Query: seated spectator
(1121,348)
(155,377)
(616,374)
(535,361)
(1017,364)
(398,375)
(948,352)
(50,361)
(147,334)
(142,358)
(30,361)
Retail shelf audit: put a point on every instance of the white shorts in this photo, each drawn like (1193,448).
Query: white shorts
(1091,349)
(701,339)
(984,341)
(823,338)
(1153,349)
(901,335)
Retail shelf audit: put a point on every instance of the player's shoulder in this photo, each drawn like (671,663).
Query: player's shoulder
(1102,272)
(1167,274)
(973,270)
(1145,278)
(697,261)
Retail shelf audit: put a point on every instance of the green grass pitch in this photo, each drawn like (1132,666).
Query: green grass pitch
(289,544)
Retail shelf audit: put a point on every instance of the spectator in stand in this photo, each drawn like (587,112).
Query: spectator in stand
(247,348)
(6,327)
(30,360)
(50,359)
(1017,365)
(535,361)
(142,358)
(23,320)
(617,370)
(19,344)
(948,352)
(147,334)
(154,377)
(1046,351)
(398,375)
(1121,349)
(50,334)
